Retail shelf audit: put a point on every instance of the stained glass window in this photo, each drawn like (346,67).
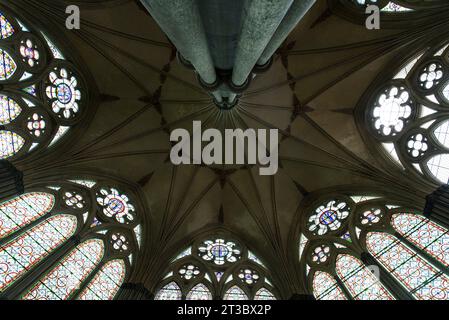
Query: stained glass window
(170,292)
(361,282)
(219,251)
(29,52)
(390,7)
(264,294)
(328,217)
(425,234)
(106,282)
(116,205)
(189,271)
(222,259)
(64,93)
(24,62)
(235,293)
(10,143)
(199,292)
(68,275)
(22,253)
(392,110)
(408,258)
(9,110)
(7,65)
(422,279)
(248,276)
(6,28)
(30,248)
(326,288)
(406,114)
(20,211)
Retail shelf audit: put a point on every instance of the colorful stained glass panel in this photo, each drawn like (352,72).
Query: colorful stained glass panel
(22,253)
(9,110)
(10,144)
(417,275)
(170,292)
(423,233)
(6,29)
(68,275)
(7,65)
(20,211)
(235,293)
(264,294)
(199,292)
(326,288)
(106,282)
(361,283)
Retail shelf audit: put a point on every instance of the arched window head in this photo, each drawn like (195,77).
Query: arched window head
(393,13)
(42,95)
(394,7)
(61,242)
(386,6)
(30,248)
(106,283)
(170,291)
(419,276)
(216,267)
(408,114)
(381,251)
(199,292)
(20,211)
(235,293)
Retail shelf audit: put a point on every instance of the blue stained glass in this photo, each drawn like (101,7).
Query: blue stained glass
(6,28)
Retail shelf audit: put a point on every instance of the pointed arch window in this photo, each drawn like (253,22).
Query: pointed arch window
(423,233)
(264,294)
(386,6)
(62,281)
(62,245)
(422,279)
(170,291)
(407,115)
(106,283)
(381,251)
(199,292)
(393,12)
(360,281)
(22,210)
(22,253)
(325,287)
(235,293)
(43,94)
(216,267)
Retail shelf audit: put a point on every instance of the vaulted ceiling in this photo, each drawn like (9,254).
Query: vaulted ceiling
(142,93)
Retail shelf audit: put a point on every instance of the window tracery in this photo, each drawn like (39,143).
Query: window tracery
(43,94)
(59,220)
(395,6)
(216,267)
(408,115)
(408,246)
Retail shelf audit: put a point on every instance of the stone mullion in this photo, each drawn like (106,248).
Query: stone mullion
(423,254)
(16,290)
(343,288)
(24,229)
(87,280)
(399,291)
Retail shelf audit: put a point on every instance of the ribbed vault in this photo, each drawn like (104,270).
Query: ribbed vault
(309,94)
